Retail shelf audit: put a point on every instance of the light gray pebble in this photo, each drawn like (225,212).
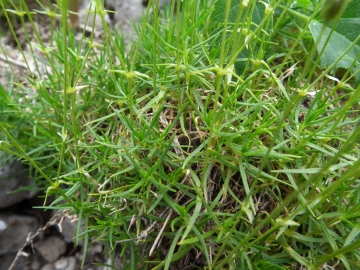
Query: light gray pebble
(51,248)
(67,263)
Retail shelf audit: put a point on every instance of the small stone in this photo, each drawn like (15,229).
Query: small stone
(3,225)
(48,266)
(68,263)
(51,248)
(35,265)
(96,248)
(61,264)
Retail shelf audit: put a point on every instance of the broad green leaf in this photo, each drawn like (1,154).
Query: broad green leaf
(346,33)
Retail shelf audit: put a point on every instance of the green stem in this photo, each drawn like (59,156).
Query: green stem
(66,71)
(218,80)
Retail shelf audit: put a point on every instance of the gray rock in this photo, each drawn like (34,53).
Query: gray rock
(13,176)
(51,248)
(86,14)
(15,231)
(68,228)
(7,259)
(127,10)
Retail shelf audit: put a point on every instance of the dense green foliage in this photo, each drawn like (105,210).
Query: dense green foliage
(223,132)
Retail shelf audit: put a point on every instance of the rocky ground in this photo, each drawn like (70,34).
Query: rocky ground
(30,238)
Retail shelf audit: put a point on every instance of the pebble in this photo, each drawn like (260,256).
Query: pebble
(48,266)
(67,263)
(51,248)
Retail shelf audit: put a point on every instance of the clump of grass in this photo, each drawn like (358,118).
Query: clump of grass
(211,142)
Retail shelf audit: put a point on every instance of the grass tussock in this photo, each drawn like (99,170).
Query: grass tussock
(217,140)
